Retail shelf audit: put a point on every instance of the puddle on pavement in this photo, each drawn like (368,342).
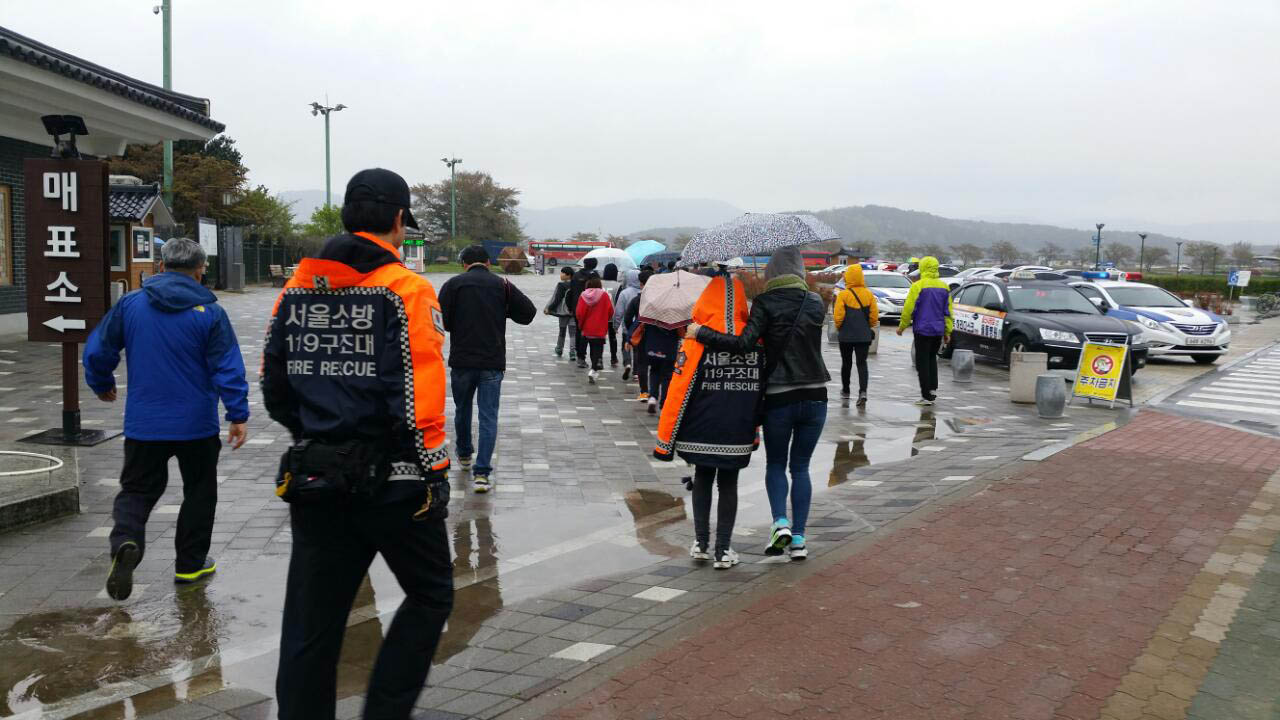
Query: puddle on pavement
(500,559)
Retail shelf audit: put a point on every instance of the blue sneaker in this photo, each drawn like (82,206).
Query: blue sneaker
(799,550)
(779,537)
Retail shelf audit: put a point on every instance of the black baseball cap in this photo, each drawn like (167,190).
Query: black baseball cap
(381,186)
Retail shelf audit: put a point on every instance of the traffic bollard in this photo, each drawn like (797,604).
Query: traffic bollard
(962,366)
(1023,369)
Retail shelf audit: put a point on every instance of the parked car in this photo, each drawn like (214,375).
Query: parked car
(949,274)
(995,319)
(890,289)
(1170,326)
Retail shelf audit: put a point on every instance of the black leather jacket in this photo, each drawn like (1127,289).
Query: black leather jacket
(795,356)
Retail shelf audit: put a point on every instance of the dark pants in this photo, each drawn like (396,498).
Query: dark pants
(791,433)
(926,348)
(613,344)
(641,369)
(143,481)
(579,344)
(486,386)
(659,378)
(726,482)
(597,352)
(566,326)
(847,353)
(333,545)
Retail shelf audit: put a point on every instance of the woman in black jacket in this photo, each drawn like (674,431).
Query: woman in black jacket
(789,319)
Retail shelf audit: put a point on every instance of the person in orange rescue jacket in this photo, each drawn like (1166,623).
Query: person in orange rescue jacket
(352,366)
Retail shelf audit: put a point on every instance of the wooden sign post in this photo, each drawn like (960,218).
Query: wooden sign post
(67,272)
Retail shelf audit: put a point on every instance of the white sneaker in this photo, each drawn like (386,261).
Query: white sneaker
(923,402)
(653,405)
(779,537)
(482,484)
(799,549)
(699,552)
(464,463)
(725,559)
(591,377)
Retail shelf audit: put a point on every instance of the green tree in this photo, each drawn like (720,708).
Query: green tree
(1050,252)
(1242,254)
(202,175)
(1119,253)
(486,209)
(325,222)
(1154,256)
(897,250)
(1083,256)
(269,215)
(967,252)
(1004,251)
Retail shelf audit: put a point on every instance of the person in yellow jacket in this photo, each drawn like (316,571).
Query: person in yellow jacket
(928,313)
(856,320)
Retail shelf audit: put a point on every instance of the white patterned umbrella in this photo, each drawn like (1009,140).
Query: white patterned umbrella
(668,299)
(756,234)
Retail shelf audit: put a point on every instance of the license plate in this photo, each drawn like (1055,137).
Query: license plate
(1200,341)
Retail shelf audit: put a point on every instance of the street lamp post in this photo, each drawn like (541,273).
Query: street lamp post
(1177,264)
(453,197)
(318,109)
(1142,246)
(1097,243)
(165,10)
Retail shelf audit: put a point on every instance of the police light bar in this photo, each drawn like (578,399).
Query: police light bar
(1095,275)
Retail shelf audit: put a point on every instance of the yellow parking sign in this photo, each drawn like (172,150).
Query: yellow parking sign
(1101,371)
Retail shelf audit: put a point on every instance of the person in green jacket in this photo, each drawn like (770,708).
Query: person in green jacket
(928,312)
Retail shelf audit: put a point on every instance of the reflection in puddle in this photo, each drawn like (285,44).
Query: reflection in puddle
(890,439)
(56,655)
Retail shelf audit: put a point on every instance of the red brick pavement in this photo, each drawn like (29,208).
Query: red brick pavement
(1029,599)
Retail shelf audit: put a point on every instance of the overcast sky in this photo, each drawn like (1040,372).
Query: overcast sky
(1156,109)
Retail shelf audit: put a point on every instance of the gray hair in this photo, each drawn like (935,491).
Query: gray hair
(182,254)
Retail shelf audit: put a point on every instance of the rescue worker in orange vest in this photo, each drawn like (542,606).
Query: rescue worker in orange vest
(709,416)
(352,366)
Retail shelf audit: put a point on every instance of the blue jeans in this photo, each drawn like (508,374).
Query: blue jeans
(468,383)
(790,435)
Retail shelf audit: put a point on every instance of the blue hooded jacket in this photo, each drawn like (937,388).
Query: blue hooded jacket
(183,356)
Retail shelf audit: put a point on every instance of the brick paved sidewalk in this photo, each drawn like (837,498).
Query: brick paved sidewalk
(1101,582)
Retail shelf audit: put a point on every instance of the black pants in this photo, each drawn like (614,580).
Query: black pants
(143,481)
(613,344)
(659,378)
(333,545)
(847,353)
(580,344)
(597,353)
(726,481)
(641,368)
(927,347)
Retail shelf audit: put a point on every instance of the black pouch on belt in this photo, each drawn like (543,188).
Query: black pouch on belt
(313,471)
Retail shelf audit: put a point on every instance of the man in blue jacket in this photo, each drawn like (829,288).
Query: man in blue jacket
(183,357)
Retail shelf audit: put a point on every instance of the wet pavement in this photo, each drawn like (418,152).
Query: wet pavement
(557,561)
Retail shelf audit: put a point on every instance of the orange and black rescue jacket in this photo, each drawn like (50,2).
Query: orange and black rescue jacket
(354,350)
(708,417)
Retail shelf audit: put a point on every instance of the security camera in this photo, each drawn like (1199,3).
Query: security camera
(155,9)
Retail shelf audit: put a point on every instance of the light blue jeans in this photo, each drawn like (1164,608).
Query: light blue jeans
(467,384)
(790,434)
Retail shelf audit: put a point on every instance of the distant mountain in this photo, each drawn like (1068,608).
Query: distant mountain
(624,218)
(882,224)
(305,202)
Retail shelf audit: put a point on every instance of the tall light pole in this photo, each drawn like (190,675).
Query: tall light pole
(1142,246)
(1097,244)
(453,197)
(165,10)
(1177,264)
(318,109)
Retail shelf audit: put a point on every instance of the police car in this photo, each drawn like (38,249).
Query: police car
(890,289)
(995,318)
(1171,327)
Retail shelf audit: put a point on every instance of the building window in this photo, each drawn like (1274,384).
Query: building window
(142,245)
(119,247)
(6,238)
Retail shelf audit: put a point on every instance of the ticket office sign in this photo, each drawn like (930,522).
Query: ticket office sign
(67,269)
(1101,371)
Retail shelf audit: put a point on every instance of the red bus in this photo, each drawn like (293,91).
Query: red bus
(564,251)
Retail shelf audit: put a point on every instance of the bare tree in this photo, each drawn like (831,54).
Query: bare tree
(1155,256)
(967,252)
(1119,253)
(1004,251)
(897,249)
(1242,254)
(1050,252)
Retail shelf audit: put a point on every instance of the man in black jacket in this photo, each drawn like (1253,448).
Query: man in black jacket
(476,305)
(576,286)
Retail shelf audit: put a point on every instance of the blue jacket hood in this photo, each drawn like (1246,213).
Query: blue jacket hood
(175,292)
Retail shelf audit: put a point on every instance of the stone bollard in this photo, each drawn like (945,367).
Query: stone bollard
(875,342)
(1051,396)
(1023,369)
(962,366)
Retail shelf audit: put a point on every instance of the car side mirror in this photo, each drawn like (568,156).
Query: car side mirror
(994,307)
(1099,303)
